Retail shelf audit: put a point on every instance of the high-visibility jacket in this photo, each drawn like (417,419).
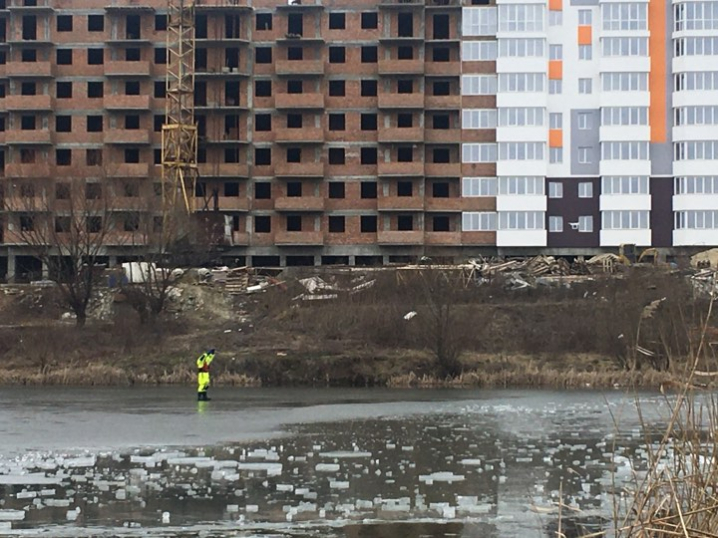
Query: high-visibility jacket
(203,362)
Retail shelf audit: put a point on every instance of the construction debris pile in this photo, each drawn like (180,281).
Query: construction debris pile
(318,289)
(532,272)
(240,280)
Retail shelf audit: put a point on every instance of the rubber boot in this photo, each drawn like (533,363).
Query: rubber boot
(201,396)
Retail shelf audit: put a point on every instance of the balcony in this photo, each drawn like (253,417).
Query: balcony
(299,238)
(127,69)
(401,169)
(401,67)
(20,204)
(28,102)
(127,102)
(240,239)
(396,4)
(221,5)
(299,100)
(210,72)
(20,5)
(442,238)
(443,204)
(141,170)
(299,203)
(27,170)
(443,69)
(299,67)
(305,135)
(127,136)
(442,101)
(443,169)
(224,203)
(223,170)
(478,203)
(29,69)
(400,203)
(299,170)
(442,136)
(39,136)
(401,100)
(398,134)
(395,237)
(478,238)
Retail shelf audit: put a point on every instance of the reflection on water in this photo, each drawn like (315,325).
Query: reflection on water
(484,468)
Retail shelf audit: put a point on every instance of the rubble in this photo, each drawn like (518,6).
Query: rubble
(318,289)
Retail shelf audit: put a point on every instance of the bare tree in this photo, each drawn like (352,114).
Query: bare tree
(65,223)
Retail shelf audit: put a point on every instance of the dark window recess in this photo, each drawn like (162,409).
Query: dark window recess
(62,191)
(231,189)
(200,93)
(368,223)
(232,26)
(96,23)
(231,58)
(264,21)
(231,155)
(160,56)
(200,189)
(405,86)
(337,122)
(295,25)
(63,90)
(404,121)
(64,23)
(132,87)
(95,56)
(28,88)
(133,27)
(133,55)
(160,89)
(441,26)
(294,121)
(231,93)
(405,154)
(337,21)
(440,121)
(93,224)
(93,157)
(29,27)
(405,53)
(200,59)
(369,20)
(336,224)
(131,222)
(369,54)
(440,189)
(262,224)
(263,190)
(405,24)
(368,189)
(441,155)
(441,54)
(336,156)
(441,87)
(262,122)
(294,86)
(368,155)
(404,223)
(295,53)
(94,124)
(132,155)
(294,155)
(336,189)
(337,88)
(337,55)
(132,122)
(441,223)
(404,188)
(28,123)
(294,223)
(262,156)
(63,157)
(200,26)
(160,23)
(263,55)
(294,189)
(63,124)
(368,122)
(28,55)
(262,88)
(369,88)
(27,223)
(157,156)
(158,122)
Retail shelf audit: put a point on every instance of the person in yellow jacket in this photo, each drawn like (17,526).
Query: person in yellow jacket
(203,362)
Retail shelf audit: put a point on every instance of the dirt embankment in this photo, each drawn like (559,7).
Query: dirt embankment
(460,335)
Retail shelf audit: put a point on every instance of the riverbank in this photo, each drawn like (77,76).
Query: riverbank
(408,332)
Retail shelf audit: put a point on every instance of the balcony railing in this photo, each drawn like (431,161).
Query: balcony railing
(39,136)
(443,136)
(442,101)
(127,136)
(306,135)
(299,67)
(127,102)
(401,67)
(442,238)
(28,102)
(401,169)
(443,169)
(122,68)
(395,237)
(223,170)
(400,203)
(299,170)
(401,100)
(299,203)
(299,238)
(141,170)
(299,100)
(443,204)
(398,134)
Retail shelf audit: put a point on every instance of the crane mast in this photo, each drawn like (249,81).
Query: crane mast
(179,132)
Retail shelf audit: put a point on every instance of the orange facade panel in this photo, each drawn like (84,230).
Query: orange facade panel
(555,138)
(585,34)
(657,77)
(555,5)
(555,69)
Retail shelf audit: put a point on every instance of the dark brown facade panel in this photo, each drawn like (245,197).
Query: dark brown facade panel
(571,207)
(661,189)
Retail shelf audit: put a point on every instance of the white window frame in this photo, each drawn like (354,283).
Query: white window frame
(555,52)
(585,121)
(479,152)
(476,187)
(555,120)
(478,118)
(479,84)
(585,17)
(555,155)
(585,86)
(479,51)
(555,86)
(584,155)
(555,224)
(585,224)
(479,21)
(479,221)
(555,189)
(585,189)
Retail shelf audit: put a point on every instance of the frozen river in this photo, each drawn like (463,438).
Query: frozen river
(306,463)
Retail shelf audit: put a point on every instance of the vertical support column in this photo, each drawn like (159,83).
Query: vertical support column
(10,267)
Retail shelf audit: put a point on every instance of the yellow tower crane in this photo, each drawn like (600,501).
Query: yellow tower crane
(179,132)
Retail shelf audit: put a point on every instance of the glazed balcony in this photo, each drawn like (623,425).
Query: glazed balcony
(401,169)
(442,101)
(299,238)
(401,100)
(442,238)
(444,204)
(305,135)
(141,170)
(400,203)
(223,170)
(123,68)
(443,169)
(401,67)
(442,136)
(299,67)
(127,102)
(127,136)
(299,100)
(299,170)
(39,136)
(396,237)
(299,203)
(399,134)
(28,102)
(29,69)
